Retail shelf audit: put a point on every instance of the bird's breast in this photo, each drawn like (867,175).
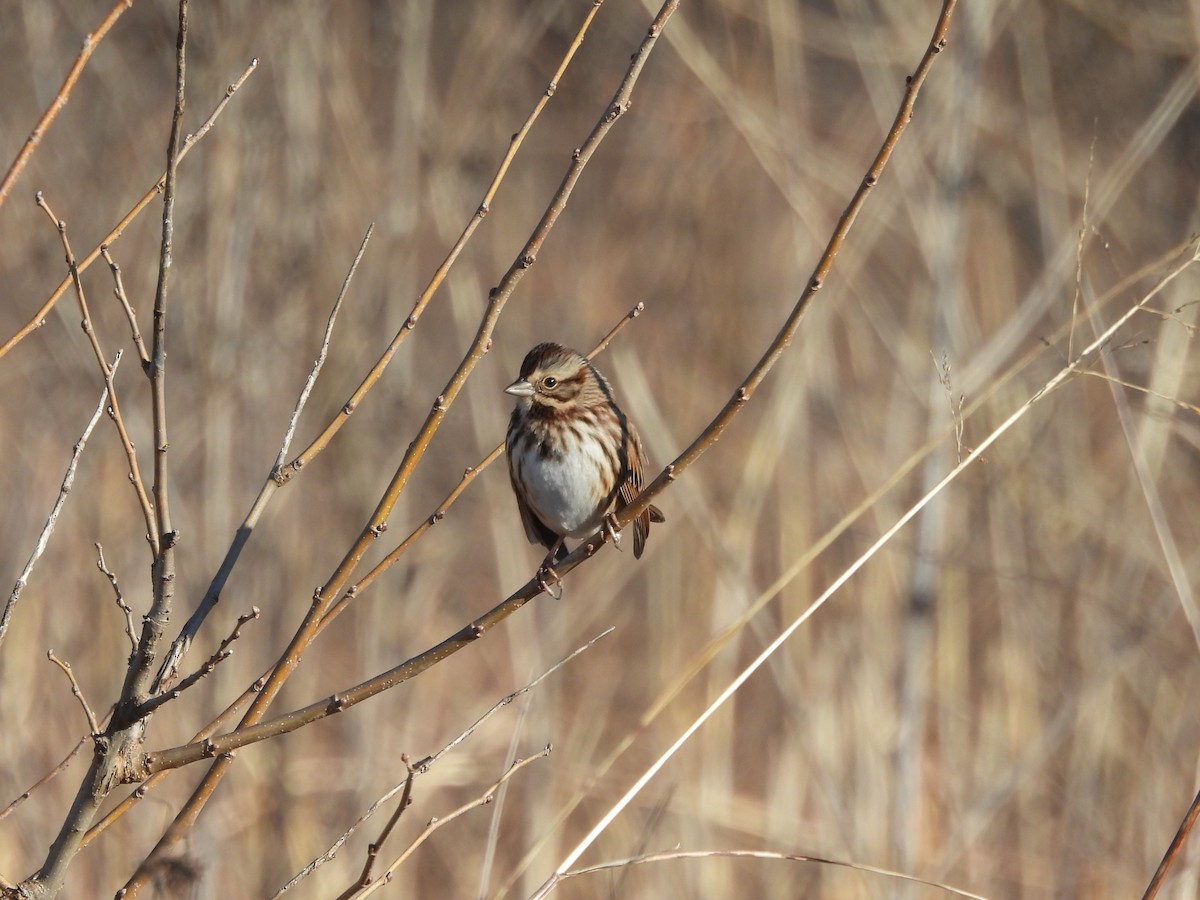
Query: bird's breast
(568,482)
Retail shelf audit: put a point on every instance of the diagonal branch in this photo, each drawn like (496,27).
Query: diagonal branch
(93,725)
(114,408)
(436,823)
(44,538)
(60,99)
(1074,367)
(219,656)
(791,325)
(39,318)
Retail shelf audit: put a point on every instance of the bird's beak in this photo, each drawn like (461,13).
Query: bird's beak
(520,388)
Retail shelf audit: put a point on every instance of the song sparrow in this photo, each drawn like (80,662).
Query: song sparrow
(573,456)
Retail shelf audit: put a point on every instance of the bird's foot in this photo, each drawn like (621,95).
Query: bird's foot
(547,578)
(609,530)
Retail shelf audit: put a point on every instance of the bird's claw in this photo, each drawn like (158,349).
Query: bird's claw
(547,578)
(609,530)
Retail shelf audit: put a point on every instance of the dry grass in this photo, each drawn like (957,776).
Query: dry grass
(999,701)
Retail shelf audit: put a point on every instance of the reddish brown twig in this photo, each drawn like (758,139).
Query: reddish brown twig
(90,43)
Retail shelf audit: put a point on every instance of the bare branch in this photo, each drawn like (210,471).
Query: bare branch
(376,845)
(114,408)
(39,318)
(372,850)
(130,630)
(435,824)
(1168,860)
(60,99)
(221,654)
(302,400)
(420,769)
(44,538)
(154,623)
(77,691)
(25,795)
(220,722)
(712,433)
(119,290)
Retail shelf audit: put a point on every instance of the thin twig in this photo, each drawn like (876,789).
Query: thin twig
(428,761)
(1080,241)
(1181,404)
(119,290)
(28,792)
(121,604)
(376,845)
(114,408)
(435,824)
(39,318)
(302,400)
(219,656)
(1168,860)
(673,855)
(93,725)
(44,538)
(90,42)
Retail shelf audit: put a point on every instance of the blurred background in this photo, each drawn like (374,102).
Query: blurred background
(1003,699)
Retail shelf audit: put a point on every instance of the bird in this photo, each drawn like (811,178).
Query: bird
(574,457)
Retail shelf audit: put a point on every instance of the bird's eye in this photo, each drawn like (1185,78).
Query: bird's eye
(550,382)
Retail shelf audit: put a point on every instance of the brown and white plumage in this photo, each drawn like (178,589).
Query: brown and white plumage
(573,456)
